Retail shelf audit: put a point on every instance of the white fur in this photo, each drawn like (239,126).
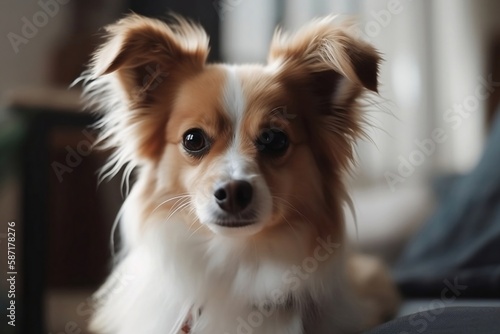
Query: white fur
(170,273)
(233,165)
(233,96)
(167,274)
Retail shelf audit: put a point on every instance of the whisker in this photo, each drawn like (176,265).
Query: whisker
(195,231)
(180,207)
(186,195)
(291,226)
(292,207)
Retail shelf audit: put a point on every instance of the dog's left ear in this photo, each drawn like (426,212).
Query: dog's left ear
(326,63)
(329,51)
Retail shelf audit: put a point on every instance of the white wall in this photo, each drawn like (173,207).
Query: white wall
(435,54)
(460,47)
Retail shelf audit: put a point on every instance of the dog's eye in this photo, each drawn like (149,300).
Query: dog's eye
(272,141)
(195,142)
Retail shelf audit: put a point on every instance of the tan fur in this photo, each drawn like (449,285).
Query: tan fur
(372,282)
(310,90)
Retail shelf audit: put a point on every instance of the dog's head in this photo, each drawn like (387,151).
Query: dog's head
(238,149)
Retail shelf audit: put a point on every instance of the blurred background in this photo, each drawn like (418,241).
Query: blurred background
(439,92)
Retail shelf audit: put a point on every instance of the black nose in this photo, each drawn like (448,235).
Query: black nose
(234,196)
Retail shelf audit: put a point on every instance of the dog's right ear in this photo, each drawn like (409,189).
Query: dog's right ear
(142,60)
(144,52)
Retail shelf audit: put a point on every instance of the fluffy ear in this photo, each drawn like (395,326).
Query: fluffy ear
(141,60)
(324,46)
(145,51)
(327,60)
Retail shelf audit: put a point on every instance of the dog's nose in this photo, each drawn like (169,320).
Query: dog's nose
(234,196)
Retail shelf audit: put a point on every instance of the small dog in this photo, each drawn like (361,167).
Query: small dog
(235,222)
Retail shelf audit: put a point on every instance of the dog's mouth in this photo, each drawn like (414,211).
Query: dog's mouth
(245,224)
(233,223)
(236,221)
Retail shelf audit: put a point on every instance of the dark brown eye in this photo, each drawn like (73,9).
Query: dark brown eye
(272,141)
(195,142)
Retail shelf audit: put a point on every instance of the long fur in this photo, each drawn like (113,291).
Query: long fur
(173,270)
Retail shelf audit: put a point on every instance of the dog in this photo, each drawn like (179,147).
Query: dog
(235,221)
